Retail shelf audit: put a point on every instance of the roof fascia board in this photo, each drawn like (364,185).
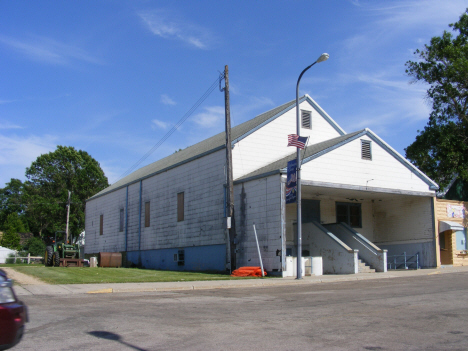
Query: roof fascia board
(161,171)
(258,176)
(368,188)
(323,114)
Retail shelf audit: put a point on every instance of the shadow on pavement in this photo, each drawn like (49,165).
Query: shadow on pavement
(112,336)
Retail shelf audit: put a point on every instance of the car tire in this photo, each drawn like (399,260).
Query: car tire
(48,256)
(56,259)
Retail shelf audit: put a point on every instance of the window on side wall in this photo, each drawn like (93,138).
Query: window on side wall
(147,214)
(306,117)
(349,213)
(181,257)
(101,225)
(122,220)
(180,207)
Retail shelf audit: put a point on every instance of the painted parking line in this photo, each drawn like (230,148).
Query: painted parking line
(102,291)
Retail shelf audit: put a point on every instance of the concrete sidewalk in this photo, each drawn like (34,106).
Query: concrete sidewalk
(70,289)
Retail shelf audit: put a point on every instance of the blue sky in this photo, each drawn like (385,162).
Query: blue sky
(112,77)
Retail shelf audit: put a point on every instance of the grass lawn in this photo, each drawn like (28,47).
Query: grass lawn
(87,275)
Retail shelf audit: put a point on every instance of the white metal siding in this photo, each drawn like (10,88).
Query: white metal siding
(112,240)
(202,181)
(262,207)
(269,143)
(344,165)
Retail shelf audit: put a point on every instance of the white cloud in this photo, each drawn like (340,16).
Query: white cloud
(48,50)
(2,102)
(166,100)
(8,125)
(210,117)
(17,153)
(400,18)
(157,124)
(168,26)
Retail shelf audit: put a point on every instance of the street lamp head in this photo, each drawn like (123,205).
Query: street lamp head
(322,58)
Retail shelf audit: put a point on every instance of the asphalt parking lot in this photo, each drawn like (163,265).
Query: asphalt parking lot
(423,311)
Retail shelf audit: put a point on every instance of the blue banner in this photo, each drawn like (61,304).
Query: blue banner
(291,182)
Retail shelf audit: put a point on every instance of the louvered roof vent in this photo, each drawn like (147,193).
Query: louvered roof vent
(306,119)
(366,151)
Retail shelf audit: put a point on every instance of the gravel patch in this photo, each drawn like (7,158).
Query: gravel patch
(21,278)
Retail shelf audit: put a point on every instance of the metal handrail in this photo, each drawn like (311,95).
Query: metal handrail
(403,261)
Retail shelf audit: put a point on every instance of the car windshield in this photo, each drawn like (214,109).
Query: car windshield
(6,294)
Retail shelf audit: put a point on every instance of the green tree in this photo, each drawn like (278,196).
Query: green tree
(12,226)
(11,200)
(441,149)
(50,178)
(35,246)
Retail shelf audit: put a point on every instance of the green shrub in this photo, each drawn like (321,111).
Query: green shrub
(35,246)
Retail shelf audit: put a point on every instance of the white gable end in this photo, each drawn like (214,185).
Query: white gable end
(269,142)
(345,165)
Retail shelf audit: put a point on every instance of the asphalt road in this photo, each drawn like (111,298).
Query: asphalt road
(427,312)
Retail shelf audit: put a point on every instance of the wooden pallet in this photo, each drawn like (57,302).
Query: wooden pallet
(71,262)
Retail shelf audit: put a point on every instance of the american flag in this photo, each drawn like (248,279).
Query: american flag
(297,141)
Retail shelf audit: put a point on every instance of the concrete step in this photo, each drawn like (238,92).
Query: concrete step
(364,268)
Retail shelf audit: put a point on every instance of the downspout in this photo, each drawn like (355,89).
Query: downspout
(126,222)
(139,227)
(435,230)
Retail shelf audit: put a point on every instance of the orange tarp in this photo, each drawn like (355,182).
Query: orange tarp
(248,272)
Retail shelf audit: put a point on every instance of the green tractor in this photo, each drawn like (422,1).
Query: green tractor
(55,250)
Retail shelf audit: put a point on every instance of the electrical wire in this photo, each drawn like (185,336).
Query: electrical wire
(173,129)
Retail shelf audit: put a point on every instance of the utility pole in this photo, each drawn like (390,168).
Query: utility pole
(229,177)
(68,216)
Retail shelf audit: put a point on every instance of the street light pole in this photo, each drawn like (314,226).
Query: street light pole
(322,58)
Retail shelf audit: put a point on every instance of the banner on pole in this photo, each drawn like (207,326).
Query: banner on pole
(291,182)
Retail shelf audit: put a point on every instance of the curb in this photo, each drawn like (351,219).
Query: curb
(71,289)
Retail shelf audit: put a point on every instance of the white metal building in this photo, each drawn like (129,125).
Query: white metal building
(361,201)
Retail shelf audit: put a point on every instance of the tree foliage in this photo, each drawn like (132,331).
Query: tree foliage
(12,227)
(35,246)
(41,201)
(11,200)
(441,149)
(49,179)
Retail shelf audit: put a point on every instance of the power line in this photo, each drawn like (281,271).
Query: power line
(174,128)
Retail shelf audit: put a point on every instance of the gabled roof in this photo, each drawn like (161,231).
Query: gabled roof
(213,144)
(317,150)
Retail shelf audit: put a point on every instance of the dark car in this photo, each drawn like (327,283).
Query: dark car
(13,314)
